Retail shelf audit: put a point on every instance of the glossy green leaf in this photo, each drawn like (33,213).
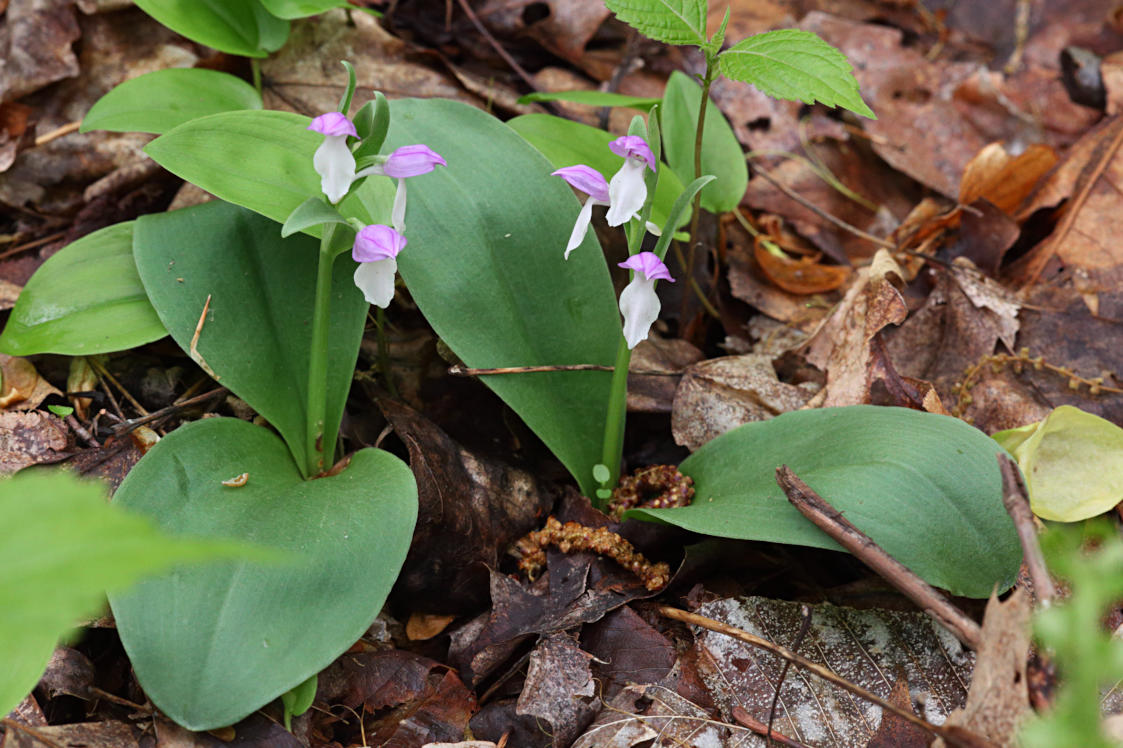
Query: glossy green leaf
(238,27)
(591,98)
(212,644)
(925,487)
(87,298)
(301,8)
(670,21)
(261,161)
(796,65)
(721,151)
(48,586)
(158,101)
(485,264)
(257,332)
(1072,461)
(566,143)
(312,212)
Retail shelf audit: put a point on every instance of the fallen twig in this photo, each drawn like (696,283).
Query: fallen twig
(1016,500)
(830,520)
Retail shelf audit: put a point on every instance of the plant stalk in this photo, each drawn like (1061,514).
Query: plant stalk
(255,69)
(703,105)
(319,443)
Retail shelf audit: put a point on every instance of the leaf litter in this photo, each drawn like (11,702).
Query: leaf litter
(983,164)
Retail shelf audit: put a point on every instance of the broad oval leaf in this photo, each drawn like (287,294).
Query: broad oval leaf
(237,27)
(158,101)
(48,586)
(302,8)
(669,21)
(87,298)
(261,161)
(1072,461)
(796,65)
(925,487)
(566,143)
(721,151)
(256,337)
(212,644)
(485,264)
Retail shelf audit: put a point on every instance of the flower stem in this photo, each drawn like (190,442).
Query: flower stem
(384,351)
(255,69)
(319,442)
(688,269)
(616,416)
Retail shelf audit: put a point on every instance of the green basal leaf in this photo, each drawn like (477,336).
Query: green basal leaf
(721,151)
(591,98)
(256,337)
(669,21)
(301,8)
(212,644)
(296,701)
(312,212)
(237,27)
(48,586)
(86,298)
(796,65)
(261,161)
(679,212)
(487,236)
(566,143)
(157,102)
(925,487)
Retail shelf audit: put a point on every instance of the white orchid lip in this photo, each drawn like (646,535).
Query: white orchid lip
(592,183)
(639,304)
(333,160)
(376,249)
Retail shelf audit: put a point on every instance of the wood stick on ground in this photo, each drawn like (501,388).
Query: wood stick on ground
(1016,500)
(743,718)
(457,370)
(953,735)
(830,520)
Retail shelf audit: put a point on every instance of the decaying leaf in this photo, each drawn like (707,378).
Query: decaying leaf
(720,394)
(869,648)
(660,359)
(31,438)
(842,344)
(559,687)
(803,276)
(23,388)
(998,699)
(1072,461)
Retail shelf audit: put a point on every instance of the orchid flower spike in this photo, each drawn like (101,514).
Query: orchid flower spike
(333,160)
(592,183)
(407,161)
(376,248)
(638,301)
(627,192)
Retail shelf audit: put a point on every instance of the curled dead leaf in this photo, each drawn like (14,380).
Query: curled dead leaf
(802,276)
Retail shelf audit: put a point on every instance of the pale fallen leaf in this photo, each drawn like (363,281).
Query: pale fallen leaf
(1072,461)
(22,388)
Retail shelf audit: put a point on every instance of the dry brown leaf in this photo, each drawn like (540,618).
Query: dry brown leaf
(720,394)
(559,688)
(87,734)
(842,344)
(422,626)
(655,393)
(22,388)
(31,438)
(998,699)
(564,29)
(866,647)
(1002,179)
(803,276)
(35,40)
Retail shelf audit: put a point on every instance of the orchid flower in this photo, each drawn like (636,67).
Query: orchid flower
(407,161)
(627,192)
(638,301)
(333,160)
(624,195)
(375,249)
(592,183)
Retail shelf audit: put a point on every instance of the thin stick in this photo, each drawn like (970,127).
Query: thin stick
(822,213)
(830,520)
(1016,500)
(495,44)
(104,372)
(956,736)
(742,717)
(32,244)
(804,627)
(175,407)
(84,435)
(457,370)
(11,724)
(193,350)
(58,132)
